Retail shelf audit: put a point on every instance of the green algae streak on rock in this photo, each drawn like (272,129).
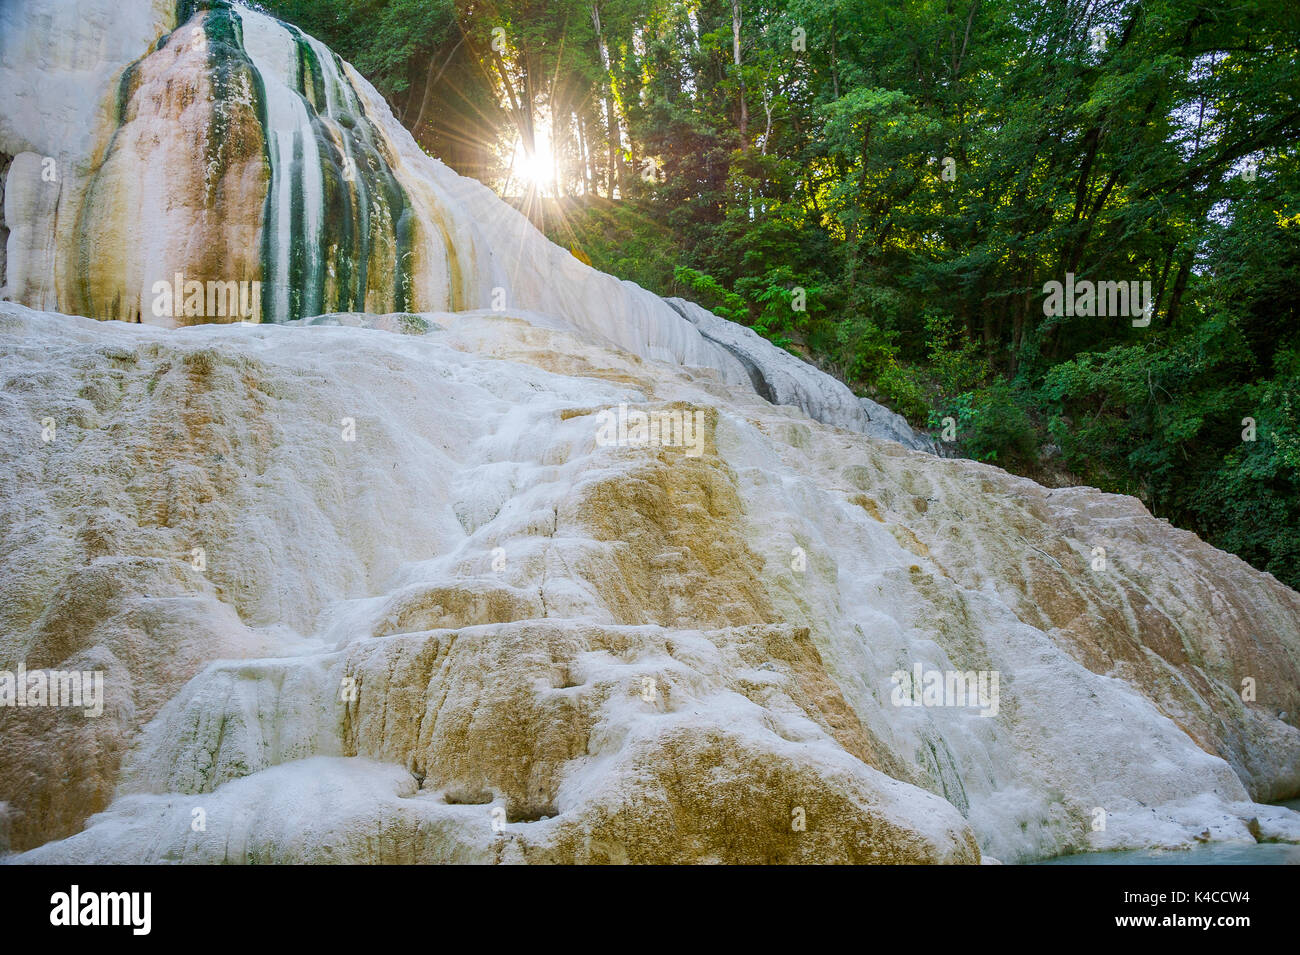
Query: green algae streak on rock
(235,149)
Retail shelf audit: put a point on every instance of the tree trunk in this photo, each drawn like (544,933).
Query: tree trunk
(528,98)
(1180,286)
(614,169)
(584,152)
(523,121)
(735,56)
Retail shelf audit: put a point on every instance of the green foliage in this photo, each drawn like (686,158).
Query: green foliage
(380,38)
(903,391)
(618,238)
(997,428)
(957,362)
(782,303)
(712,294)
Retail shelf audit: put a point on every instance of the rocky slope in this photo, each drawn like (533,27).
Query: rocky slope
(381,588)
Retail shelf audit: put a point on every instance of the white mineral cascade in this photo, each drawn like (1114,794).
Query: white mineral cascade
(297,184)
(381,587)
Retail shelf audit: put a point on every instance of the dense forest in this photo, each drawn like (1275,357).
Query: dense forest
(889,188)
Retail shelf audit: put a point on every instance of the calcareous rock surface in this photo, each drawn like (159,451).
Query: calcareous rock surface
(407,582)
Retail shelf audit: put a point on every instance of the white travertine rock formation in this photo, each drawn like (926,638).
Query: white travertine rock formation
(377,588)
(610,645)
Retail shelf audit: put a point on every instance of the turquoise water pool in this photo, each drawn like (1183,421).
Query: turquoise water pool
(1219,853)
(1222,853)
